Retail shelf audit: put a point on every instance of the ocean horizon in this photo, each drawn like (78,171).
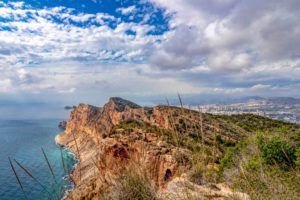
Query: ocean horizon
(22,141)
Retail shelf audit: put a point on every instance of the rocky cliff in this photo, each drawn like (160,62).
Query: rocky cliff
(160,140)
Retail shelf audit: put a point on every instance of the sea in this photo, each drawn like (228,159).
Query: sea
(22,141)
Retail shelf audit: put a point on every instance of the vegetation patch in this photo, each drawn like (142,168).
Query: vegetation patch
(277,151)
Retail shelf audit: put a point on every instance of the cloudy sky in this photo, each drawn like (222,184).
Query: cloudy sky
(62,52)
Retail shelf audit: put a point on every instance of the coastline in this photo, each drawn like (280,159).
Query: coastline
(83,170)
(74,166)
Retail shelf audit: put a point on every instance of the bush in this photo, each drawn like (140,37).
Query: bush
(219,139)
(183,124)
(181,121)
(277,151)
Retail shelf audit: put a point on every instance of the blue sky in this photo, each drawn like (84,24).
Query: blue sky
(58,52)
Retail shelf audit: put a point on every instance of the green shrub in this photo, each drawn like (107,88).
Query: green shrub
(194,134)
(219,139)
(253,164)
(277,151)
(181,121)
(183,124)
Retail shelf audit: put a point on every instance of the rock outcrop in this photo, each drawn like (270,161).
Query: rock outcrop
(104,147)
(62,124)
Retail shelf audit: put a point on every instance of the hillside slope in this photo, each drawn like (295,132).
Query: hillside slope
(266,164)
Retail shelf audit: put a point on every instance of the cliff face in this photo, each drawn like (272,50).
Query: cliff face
(105,143)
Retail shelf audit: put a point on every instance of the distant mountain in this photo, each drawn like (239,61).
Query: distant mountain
(284,100)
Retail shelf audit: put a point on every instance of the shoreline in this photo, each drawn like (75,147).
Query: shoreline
(72,170)
(83,171)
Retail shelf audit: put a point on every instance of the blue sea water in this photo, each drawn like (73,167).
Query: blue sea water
(22,140)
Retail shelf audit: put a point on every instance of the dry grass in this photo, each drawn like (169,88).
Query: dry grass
(268,184)
(133,184)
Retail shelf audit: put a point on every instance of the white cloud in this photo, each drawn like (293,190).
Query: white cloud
(19,4)
(213,46)
(128,10)
(67,91)
(39,39)
(227,61)
(231,34)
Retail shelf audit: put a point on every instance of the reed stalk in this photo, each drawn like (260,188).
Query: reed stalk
(77,149)
(172,124)
(51,172)
(63,161)
(180,101)
(17,177)
(49,166)
(31,176)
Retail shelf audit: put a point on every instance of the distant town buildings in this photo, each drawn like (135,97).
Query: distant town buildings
(269,109)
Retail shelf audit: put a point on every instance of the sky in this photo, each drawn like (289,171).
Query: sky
(63,52)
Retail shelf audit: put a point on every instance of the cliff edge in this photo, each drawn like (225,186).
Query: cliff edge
(162,142)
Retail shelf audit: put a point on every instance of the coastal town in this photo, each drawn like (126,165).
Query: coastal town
(275,109)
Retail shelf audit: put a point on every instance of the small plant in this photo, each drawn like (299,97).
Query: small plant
(182,122)
(197,173)
(182,157)
(219,139)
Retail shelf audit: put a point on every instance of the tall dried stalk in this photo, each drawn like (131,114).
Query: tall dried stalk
(51,172)
(215,125)
(99,170)
(180,101)
(63,161)
(77,149)
(201,129)
(31,176)
(49,166)
(17,177)
(172,124)
(248,182)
